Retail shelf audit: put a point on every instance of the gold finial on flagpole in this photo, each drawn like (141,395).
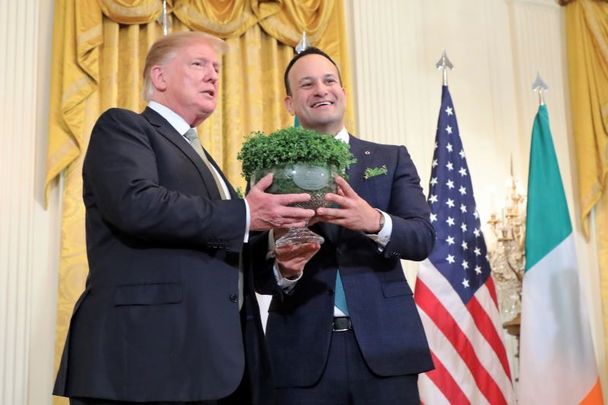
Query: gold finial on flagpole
(444,64)
(540,86)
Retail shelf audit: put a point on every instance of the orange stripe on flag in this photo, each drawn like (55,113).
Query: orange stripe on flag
(594,397)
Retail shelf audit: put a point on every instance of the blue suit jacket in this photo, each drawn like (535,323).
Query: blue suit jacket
(380,302)
(159,318)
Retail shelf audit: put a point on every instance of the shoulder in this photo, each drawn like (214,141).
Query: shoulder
(356,141)
(116,124)
(360,146)
(120,118)
(119,114)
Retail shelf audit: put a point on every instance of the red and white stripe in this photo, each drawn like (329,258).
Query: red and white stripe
(471,364)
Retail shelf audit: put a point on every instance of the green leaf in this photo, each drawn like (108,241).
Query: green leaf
(293,145)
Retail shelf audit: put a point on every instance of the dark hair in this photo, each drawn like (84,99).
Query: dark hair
(307,51)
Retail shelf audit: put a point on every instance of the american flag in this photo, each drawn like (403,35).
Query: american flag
(454,291)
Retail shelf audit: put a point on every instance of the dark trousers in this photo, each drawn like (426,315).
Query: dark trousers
(348,381)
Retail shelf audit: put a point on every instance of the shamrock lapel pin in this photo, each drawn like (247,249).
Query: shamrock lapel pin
(375,171)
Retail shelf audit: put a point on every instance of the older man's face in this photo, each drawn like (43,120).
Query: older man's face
(191,80)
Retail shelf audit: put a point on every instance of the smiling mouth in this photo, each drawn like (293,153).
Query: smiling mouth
(322,104)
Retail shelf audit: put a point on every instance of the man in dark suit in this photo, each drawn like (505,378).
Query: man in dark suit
(163,318)
(343,327)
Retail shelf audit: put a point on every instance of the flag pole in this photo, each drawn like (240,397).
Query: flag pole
(444,64)
(540,86)
(163,19)
(303,44)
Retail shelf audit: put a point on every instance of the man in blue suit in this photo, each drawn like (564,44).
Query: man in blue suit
(168,314)
(343,327)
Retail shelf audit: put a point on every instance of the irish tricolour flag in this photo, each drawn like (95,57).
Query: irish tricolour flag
(557,362)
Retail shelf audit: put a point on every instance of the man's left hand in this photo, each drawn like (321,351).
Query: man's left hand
(354,212)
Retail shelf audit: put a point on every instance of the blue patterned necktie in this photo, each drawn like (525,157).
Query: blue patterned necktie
(340,297)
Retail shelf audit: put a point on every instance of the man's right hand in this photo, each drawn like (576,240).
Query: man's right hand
(269,211)
(292,258)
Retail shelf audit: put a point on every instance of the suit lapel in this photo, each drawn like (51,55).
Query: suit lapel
(355,175)
(364,152)
(168,132)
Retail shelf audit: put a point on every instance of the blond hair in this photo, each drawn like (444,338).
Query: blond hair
(164,49)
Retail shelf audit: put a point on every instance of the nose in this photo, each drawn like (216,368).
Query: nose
(211,75)
(320,89)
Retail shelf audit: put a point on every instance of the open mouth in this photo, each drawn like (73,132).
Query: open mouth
(210,93)
(322,104)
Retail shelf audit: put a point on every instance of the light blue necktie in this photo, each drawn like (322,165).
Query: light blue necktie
(340,297)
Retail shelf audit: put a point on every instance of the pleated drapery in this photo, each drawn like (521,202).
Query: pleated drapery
(587,44)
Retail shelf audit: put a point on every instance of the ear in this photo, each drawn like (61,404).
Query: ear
(289,104)
(157,76)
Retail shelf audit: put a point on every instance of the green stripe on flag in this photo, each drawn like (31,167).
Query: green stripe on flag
(547,220)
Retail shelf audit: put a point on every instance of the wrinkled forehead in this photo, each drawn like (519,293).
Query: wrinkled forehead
(199,48)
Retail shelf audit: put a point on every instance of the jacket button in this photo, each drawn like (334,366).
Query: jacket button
(234,298)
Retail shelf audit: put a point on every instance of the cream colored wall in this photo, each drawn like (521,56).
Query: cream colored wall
(28,231)
(497,47)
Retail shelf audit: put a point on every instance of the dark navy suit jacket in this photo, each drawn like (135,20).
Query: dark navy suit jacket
(380,302)
(159,317)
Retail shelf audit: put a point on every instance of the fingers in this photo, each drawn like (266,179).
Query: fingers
(294,213)
(346,189)
(331,213)
(264,182)
(291,251)
(293,258)
(288,199)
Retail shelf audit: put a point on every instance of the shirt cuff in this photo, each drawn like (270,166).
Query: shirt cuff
(247,221)
(384,236)
(285,283)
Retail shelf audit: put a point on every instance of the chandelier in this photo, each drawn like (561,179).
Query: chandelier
(507,258)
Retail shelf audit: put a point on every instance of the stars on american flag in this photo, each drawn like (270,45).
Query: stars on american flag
(460,252)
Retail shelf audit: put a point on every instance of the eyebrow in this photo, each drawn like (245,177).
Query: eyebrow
(216,65)
(325,76)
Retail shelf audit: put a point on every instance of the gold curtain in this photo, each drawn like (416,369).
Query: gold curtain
(587,44)
(99,48)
